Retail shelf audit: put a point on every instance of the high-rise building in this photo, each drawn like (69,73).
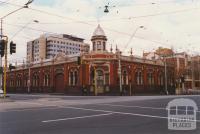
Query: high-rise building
(47,46)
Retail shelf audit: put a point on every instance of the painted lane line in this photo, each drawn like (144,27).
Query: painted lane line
(154,108)
(74,118)
(31,109)
(124,113)
(157,108)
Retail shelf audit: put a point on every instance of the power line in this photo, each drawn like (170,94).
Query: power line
(123,33)
(83,22)
(127,18)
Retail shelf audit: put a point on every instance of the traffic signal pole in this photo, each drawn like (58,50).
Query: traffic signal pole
(4,44)
(1,57)
(5,68)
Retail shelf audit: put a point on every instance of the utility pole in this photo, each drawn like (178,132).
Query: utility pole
(95,82)
(120,73)
(0,57)
(4,53)
(165,62)
(5,67)
(199,71)
(29,77)
(192,69)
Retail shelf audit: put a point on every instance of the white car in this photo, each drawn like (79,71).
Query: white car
(1,93)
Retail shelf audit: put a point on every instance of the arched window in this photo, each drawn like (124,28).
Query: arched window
(150,78)
(99,77)
(19,80)
(46,80)
(99,45)
(35,80)
(12,82)
(73,77)
(139,77)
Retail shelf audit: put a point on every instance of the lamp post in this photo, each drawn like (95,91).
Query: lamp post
(165,62)
(193,75)
(119,72)
(29,77)
(134,33)
(29,64)
(24,6)
(119,58)
(95,82)
(130,81)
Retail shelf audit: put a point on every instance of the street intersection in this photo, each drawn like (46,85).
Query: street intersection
(54,114)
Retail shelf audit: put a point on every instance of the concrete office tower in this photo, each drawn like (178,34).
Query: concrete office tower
(49,45)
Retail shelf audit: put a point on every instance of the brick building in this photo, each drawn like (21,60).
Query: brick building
(186,67)
(99,73)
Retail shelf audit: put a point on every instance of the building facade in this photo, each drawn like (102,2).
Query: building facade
(99,72)
(186,67)
(48,46)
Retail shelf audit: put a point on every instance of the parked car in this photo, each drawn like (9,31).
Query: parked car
(1,93)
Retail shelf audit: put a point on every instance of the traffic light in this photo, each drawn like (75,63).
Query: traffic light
(79,61)
(2,47)
(11,67)
(12,47)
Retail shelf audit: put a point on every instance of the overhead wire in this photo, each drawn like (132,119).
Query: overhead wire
(124,33)
(84,22)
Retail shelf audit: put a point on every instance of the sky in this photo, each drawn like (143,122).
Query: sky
(166,23)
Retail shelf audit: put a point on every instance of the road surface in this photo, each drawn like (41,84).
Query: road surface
(51,114)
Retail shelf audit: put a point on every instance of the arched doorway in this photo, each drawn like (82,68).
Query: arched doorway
(100,81)
(59,83)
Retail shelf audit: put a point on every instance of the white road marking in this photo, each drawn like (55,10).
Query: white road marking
(31,109)
(124,113)
(154,108)
(74,118)
(36,103)
(159,108)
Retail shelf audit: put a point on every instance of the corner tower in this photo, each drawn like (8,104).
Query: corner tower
(99,40)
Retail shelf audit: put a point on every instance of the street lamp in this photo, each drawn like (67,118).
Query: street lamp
(35,21)
(119,58)
(29,63)
(119,71)
(165,62)
(134,33)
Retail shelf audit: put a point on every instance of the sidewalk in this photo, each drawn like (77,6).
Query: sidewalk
(3,100)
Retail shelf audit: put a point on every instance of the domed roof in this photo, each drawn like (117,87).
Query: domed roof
(98,31)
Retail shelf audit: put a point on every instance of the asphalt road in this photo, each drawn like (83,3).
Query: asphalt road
(47,114)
